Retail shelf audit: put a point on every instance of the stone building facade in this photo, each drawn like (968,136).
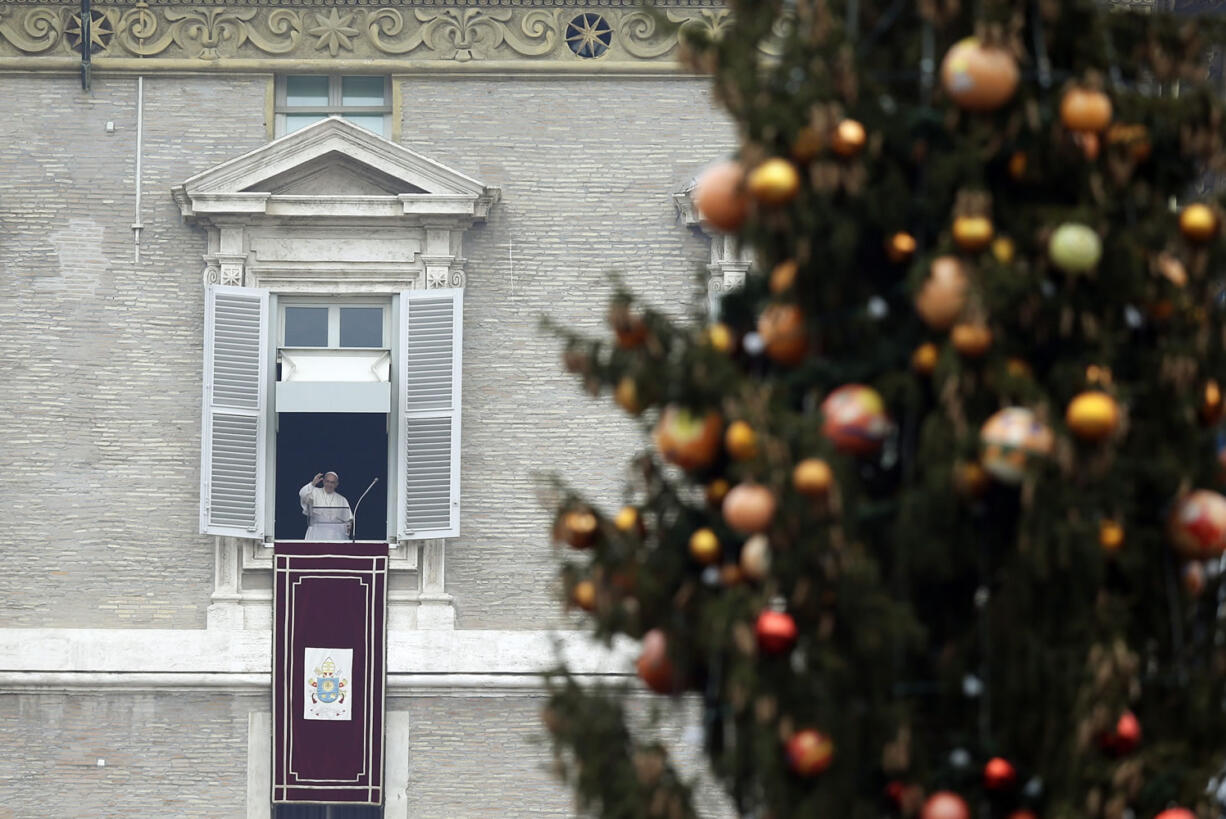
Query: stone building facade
(519,151)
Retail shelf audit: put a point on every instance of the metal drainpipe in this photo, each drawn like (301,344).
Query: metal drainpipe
(140,121)
(86,36)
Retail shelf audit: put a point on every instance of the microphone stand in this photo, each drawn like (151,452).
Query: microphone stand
(353,534)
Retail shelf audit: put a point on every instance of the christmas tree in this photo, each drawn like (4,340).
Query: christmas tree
(930,522)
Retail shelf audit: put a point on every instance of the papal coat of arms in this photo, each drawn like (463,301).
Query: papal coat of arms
(326,681)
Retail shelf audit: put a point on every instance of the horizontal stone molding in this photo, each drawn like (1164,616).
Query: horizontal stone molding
(431,663)
(341,36)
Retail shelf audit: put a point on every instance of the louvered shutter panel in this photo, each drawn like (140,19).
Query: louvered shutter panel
(431,324)
(235,397)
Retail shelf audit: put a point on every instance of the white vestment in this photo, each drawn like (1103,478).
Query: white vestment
(328,513)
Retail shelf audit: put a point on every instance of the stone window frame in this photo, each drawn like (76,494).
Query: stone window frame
(334,106)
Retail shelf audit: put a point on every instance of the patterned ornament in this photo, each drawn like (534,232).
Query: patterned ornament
(1198,525)
(855,419)
(1010,438)
(688,440)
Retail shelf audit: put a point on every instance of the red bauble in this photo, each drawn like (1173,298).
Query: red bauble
(1176,813)
(776,632)
(894,792)
(1023,814)
(809,752)
(654,667)
(999,774)
(945,805)
(1127,734)
(1198,525)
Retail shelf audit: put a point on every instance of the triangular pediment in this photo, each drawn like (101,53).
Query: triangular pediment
(329,168)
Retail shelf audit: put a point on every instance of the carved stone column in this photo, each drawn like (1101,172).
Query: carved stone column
(436,610)
(729,264)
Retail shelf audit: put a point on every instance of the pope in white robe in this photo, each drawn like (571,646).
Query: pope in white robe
(328,512)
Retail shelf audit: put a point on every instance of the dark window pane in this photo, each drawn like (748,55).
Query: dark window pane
(328,812)
(306,326)
(303,91)
(366,91)
(361,327)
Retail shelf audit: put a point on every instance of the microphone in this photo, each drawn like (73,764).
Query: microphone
(353,535)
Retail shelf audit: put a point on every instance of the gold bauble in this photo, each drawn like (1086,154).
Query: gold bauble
(628,520)
(783,276)
(704,547)
(971,340)
(741,441)
(1110,535)
(627,395)
(721,338)
(924,359)
(716,490)
(774,182)
(849,138)
(812,477)
(1093,415)
(1003,249)
(973,233)
(584,595)
(900,247)
(578,528)
(1198,223)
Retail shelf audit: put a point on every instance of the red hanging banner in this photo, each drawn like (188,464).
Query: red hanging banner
(329,655)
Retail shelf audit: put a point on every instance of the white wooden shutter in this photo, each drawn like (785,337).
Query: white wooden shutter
(235,397)
(431,325)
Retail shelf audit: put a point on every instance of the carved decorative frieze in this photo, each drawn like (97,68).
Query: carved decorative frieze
(457,32)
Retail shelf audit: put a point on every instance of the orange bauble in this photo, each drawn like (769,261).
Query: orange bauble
(627,395)
(809,752)
(774,182)
(900,247)
(979,77)
(971,340)
(1211,404)
(783,276)
(1085,109)
(654,667)
(973,233)
(849,138)
(812,477)
(578,528)
(943,295)
(945,805)
(688,440)
(584,595)
(782,327)
(720,196)
(1110,535)
(741,441)
(924,359)
(749,508)
(970,479)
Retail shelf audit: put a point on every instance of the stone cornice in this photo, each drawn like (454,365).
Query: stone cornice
(528,35)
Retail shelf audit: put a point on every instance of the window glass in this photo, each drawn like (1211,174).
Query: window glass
(301,91)
(361,327)
(295,121)
(361,91)
(371,122)
(306,326)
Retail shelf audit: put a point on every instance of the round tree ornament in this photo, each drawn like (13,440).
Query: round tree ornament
(774,182)
(1093,415)
(943,295)
(782,327)
(1198,223)
(979,77)
(999,774)
(749,508)
(775,631)
(1074,248)
(809,752)
(812,477)
(1198,525)
(720,196)
(972,233)
(688,440)
(854,419)
(1085,110)
(654,667)
(1010,439)
(945,805)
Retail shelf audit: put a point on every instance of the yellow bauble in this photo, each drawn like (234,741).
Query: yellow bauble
(1003,249)
(628,520)
(627,396)
(812,477)
(1110,535)
(849,138)
(1093,416)
(741,441)
(924,359)
(584,595)
(578,528)
(704,547)
(774,182)
(1198,223)
(720,337)
(973,233)
(971,340)
(900,247)
(783,276)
